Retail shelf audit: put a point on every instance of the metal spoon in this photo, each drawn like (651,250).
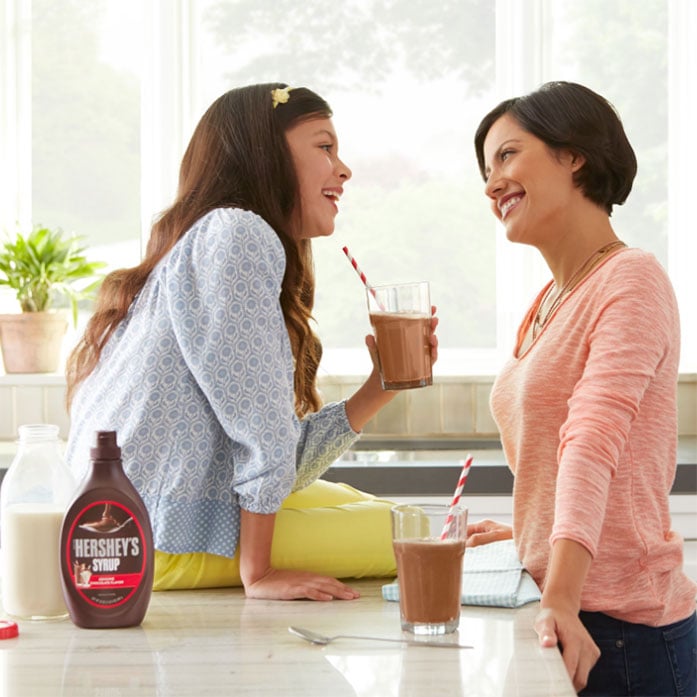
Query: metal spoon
(315,638)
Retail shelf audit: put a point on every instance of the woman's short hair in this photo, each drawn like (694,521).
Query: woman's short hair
(569,116)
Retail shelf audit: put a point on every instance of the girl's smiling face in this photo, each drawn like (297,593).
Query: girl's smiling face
(531,186)
(321,175)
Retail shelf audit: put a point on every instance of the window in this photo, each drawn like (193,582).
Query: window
(76,98)
(408,82)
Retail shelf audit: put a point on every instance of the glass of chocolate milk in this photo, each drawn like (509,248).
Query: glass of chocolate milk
(401,318)
(429,545)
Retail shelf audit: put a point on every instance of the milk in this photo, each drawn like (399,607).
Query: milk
(30,537)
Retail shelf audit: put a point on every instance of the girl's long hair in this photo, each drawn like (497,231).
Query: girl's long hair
(238,157)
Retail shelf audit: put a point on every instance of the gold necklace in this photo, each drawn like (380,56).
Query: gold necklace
(581,272)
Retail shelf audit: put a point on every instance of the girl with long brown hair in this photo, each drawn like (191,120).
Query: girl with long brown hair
(202,358)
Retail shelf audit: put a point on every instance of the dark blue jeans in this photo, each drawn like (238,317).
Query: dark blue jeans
(642,661)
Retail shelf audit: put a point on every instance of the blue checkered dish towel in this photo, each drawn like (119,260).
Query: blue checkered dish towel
(492,575)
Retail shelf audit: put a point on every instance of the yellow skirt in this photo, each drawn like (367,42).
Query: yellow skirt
(331,529)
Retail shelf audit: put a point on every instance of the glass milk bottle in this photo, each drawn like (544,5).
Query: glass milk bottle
(35,492)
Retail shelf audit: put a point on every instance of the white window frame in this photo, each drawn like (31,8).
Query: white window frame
(682,106)
(15,114)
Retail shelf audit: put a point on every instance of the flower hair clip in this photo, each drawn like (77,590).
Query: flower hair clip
(280,95)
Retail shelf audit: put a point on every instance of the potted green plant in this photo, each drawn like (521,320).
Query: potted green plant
(41,267)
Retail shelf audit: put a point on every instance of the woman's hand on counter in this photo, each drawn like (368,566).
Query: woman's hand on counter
(285,584)
(261,580)
(558,623)
(486,531)
(563,628)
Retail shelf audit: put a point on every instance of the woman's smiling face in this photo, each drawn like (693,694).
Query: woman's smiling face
(321,175)
(531,186)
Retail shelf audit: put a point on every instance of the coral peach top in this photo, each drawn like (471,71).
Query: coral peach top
(588,421)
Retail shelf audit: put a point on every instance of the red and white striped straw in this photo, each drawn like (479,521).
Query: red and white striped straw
(361,275)
(456,496)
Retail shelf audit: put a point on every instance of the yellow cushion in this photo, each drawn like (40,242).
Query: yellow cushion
(331,529)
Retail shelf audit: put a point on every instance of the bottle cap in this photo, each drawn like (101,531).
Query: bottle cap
(106,447)
(8,630)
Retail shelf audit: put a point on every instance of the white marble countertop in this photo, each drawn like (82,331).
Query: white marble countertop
(219,643)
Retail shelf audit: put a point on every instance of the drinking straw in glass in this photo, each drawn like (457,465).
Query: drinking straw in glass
(456,496)
(361,275)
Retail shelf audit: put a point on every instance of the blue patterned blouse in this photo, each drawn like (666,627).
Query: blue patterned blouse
(197,381)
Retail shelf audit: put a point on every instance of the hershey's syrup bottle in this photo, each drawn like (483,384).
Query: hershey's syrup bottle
(106,545)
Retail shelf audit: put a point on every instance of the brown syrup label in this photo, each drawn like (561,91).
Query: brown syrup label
(106,553)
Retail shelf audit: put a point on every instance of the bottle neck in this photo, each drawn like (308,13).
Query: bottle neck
(31,434)
(38,473)
(106,469)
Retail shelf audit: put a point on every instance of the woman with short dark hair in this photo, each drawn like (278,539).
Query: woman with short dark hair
(586,405)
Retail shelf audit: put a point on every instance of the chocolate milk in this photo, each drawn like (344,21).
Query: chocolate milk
(106,546)
(430,577)
(404,350)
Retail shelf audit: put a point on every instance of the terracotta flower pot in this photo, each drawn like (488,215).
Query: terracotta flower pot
(31,342)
